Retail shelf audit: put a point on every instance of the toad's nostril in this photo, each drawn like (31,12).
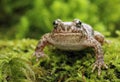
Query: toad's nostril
(68,28)
(65,28)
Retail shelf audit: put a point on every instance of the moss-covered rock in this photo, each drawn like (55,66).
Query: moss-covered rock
(58,66)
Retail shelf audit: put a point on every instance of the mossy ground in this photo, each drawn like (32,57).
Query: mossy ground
(58,66)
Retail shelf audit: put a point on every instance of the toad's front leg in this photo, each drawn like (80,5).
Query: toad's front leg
(40,46)
(99,54)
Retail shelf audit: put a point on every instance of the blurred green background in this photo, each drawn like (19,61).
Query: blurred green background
(21,19)
(32,18)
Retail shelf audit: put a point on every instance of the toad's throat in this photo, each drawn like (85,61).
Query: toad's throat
(68,41)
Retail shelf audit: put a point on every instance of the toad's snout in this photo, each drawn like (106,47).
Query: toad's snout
(67,27)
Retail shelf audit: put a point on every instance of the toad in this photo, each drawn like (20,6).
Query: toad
(74,36)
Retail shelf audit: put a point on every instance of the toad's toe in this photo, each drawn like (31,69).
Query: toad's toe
(38,55)
(99,64)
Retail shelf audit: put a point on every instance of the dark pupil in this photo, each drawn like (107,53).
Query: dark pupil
(55,24)
(78,24)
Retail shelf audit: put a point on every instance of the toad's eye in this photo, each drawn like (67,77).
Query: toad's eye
(78,23)
(56,23)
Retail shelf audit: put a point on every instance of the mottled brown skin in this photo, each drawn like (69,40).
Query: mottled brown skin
(73,35)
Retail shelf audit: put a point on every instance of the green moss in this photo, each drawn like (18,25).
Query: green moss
(58,66)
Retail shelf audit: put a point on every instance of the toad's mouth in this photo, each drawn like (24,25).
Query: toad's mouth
(67,34)
(66,31)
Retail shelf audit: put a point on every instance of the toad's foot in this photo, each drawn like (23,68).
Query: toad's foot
(39,55)
(99,64)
